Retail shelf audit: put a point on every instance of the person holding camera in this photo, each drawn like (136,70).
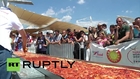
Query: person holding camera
(80,40)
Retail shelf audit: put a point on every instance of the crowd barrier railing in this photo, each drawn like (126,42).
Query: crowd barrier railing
(32,48)
(125,54)
(63,50)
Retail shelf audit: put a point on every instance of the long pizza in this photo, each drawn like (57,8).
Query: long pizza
(81,69)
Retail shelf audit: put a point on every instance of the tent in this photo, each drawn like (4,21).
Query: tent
(30,17)
(63,26)
(41,21)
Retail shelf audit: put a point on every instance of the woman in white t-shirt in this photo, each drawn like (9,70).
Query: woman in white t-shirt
(81,39)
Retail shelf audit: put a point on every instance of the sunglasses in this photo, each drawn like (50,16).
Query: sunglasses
(119,21)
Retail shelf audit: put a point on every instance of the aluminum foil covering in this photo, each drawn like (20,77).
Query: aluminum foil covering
(29,73)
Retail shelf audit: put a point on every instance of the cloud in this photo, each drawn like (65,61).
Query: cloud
(66,18)
(67,10)
(86,22)
(127,11)
(81,1)
(49,12)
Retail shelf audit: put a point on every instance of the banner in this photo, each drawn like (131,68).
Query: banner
(126,54)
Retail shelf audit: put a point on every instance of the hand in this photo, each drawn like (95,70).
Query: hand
(25,50)
(74,37)
(99,40)
(130,27)
(136,26)
(59,43)
(82,35)
(51,42)
(104,40)
(110,39)
(72,43)
(44,45)
(117,27)
(117,42)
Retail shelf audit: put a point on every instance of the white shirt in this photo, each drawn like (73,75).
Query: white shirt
(58,38)
(86,38)
(8,21)
(82,43)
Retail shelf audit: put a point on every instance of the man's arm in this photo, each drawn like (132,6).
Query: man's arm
(78,40)
(131,33)
(47,40)
(58,39)
(127,34)
(90,38)
(125,37)
(18,26)
(57,42)
(64,40)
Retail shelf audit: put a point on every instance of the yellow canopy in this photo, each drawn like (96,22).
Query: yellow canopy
(43,22)
(63,26)
(31,17)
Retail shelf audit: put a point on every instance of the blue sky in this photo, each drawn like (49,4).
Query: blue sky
(79,11)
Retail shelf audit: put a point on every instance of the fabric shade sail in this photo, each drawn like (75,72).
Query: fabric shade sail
(31,17)
(63,26)
(41,21)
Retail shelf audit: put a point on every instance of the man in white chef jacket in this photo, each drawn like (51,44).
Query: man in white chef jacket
(8,20)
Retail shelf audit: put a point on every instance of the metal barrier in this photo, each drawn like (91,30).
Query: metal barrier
(79,51)
(63,50)
(124,54)
(32,48)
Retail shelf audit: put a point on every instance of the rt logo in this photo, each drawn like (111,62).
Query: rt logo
(13,64)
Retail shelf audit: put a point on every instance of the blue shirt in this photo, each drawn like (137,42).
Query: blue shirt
(136,33)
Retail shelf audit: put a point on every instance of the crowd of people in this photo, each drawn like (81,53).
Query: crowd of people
(119,33)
